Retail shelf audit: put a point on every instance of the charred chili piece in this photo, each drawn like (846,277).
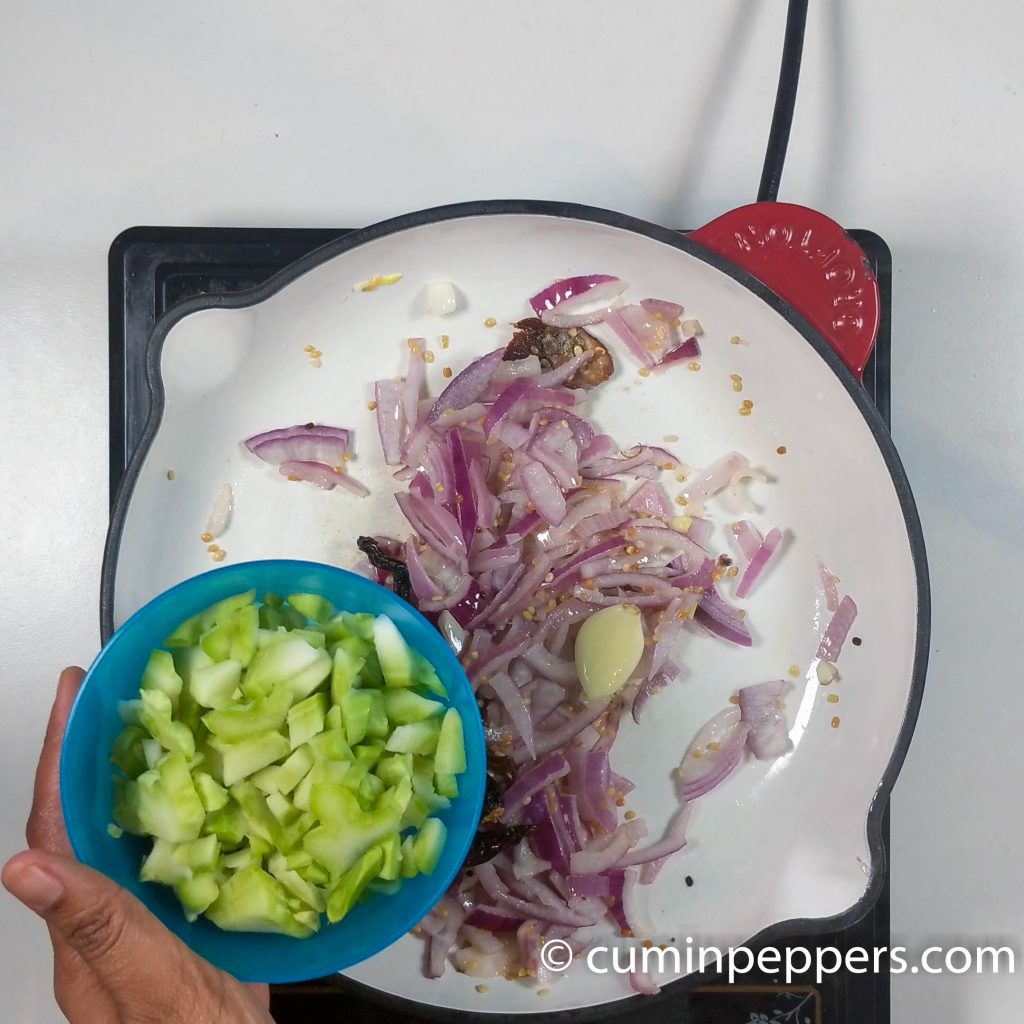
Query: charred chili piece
(379,560)
(488,843)
(556,345)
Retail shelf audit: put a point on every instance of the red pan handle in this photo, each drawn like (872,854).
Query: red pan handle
(809,261)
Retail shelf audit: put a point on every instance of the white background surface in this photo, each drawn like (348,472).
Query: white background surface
(909,122)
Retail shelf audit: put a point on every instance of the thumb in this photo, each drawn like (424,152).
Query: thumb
(127,948)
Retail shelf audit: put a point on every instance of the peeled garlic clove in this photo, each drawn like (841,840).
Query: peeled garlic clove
(608,648)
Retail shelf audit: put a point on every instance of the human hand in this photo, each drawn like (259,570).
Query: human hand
(114,962)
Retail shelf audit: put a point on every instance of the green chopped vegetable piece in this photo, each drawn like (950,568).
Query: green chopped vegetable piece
(313,606)
(369,790)
(282,808)
(415,738)
(313,637)
(244,642)
(352,883)
(416,812)
(345,670)
(245,757)
(293,664)
(216,641)
(333,719)
(270,619)
(187,660)
(314,874)
(160,675)
(227,824)
(377,726)
(310,895)
(168,804)
(152,752)
(347,831)
(358,625)
(253,901)
(368,753)
(330,746)
(186,634)
(128,753)
(426,675)
(155,717)
(423,787)
(408,865)
(404,706)
(126,805)
(308,919)
(213,795)
(391,848)
(245,857)
(355,713)
(197,893)
(240,721)
(394,769)
(272,600)
(297,859)
(283,778)
(429,844)
(306,719)
(165,864)
(450,758)
(447,785)
(393,652)
(226,610)
(201,854)
(114,831)
(212,686)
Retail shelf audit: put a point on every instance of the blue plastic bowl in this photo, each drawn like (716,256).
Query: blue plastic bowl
(87,792)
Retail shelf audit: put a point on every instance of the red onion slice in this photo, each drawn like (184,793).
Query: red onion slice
(831,585)
(761,709)
(388,395)
(836,631)
(322,476)
(467,386)
(765,553)
(722,619)
(662,309)
(713,753)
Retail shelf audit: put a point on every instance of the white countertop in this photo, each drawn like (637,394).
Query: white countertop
(330,113)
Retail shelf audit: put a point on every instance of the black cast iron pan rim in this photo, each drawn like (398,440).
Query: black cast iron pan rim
(634,1005)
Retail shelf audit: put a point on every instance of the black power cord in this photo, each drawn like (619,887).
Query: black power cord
(785,101)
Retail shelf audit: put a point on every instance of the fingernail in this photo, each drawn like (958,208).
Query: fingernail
(36,888)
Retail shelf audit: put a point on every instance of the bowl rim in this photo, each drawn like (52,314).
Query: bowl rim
(76,825)
(572,211)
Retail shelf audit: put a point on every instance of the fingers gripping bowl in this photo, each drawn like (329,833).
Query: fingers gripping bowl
(88,793)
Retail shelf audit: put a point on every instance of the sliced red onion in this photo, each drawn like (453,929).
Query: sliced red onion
(389,396)
(672,842)
(465,497)
(662,308)
(836,631)
(544,492)
(651,685)
(467,386)
(689,349)
(651,499)
(761,709)
(748,538)
(413,382)
(461,417)
(511,369)
(713,753)
(643,984)
(508,693)
(498,920)
(594,862)
(435,525)
(561,373)
(452,631)
(562,734)
(324,477)
(314,442)
(632,460)
(589,886)
(714,479)
(765,553)
(654,334)
(541,660)
(577,301)
(636,919)
(624,332)
(722,619)
(831,585)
